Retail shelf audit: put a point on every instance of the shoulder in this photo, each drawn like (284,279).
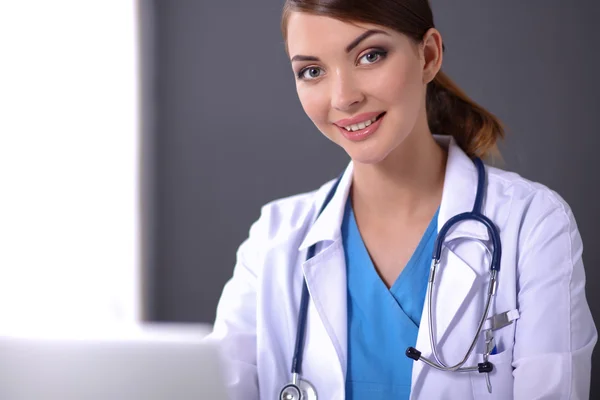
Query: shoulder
(289,215)
(532,203)
(519,188)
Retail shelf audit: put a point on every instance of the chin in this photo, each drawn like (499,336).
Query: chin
(370,151)
(367,153)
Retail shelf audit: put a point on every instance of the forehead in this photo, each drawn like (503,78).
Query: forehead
(308,33)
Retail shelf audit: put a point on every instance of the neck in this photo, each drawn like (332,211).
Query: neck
(408,184)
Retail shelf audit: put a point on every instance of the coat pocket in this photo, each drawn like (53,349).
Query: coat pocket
(501,377)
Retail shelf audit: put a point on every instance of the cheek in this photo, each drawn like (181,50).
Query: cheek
(315,104)
(400,85)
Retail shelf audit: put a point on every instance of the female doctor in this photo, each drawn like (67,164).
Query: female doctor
(504,314)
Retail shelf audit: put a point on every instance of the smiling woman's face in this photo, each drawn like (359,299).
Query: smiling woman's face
(362,85)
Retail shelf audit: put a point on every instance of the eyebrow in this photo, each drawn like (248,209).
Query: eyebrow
(349,48)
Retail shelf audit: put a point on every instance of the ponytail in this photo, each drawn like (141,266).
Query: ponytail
(451,112)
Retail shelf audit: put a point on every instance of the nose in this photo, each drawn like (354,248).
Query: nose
(346,94)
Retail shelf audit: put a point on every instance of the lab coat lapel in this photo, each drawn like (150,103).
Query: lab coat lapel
(453,284)
(325,272)
(326,279)
(454,279)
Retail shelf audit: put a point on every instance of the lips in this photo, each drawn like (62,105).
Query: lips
(361,118)
(357,135)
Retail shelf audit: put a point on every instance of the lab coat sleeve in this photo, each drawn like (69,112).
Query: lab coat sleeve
(234,330)
(555,334)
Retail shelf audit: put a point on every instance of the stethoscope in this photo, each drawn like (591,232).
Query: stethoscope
(301,389)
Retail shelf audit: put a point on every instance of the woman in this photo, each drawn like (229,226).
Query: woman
(368,76)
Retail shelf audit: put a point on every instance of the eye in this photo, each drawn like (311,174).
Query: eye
(372,57)
(310,73)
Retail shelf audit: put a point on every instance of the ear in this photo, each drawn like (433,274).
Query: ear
(432,51)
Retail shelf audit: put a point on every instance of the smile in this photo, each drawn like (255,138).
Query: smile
(362,124)
(357,132)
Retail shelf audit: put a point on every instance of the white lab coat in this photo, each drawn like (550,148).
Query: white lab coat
(544,354)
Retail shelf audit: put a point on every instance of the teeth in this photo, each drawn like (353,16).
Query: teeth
(360,125)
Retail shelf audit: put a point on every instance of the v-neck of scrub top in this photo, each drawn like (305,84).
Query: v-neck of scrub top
(382,322)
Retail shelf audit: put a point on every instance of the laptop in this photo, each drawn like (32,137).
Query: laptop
(145,362)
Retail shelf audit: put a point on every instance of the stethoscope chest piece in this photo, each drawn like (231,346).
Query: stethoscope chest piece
(302,391)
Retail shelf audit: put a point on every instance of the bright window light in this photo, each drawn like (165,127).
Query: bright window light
(69,246)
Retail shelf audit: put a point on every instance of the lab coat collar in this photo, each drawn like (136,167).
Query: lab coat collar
(327,227)
(460,188)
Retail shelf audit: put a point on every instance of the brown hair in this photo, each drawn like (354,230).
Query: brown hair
(449,110)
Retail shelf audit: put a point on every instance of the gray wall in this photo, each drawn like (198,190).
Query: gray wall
(225,132)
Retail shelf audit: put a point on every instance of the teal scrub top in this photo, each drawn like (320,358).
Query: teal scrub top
(382,322)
